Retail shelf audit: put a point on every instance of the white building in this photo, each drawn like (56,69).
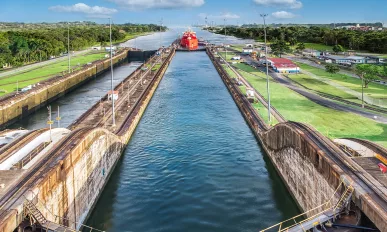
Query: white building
(247,50)
(356,59)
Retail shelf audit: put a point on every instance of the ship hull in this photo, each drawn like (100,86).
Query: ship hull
(189,41)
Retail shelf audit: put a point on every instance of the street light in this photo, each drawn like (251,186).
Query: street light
(267,70)
(111,70)
(68,45)
(225,37)
(161,37)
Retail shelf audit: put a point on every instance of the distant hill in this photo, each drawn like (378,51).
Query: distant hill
(330,25)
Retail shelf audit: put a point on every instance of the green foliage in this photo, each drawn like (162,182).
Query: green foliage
(338,48)
(373,41)
(368,72)
(300,46)
(279,47)
(22,46)
(332,68)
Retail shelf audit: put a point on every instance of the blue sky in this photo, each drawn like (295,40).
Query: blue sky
(186,12)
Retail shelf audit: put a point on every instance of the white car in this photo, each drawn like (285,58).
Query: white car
(236,58)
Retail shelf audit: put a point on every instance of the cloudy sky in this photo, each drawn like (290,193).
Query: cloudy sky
(186,12)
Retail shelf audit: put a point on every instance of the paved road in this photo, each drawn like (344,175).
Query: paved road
(39,64)
(311,63)
(316,98)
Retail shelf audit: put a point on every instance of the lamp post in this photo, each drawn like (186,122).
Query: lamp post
(111,70)
(68,45)
(267,70)
(161,37)
(225,48)
(362,90)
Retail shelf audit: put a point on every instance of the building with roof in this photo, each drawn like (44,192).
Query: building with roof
(247,50)
(311,52)
(282,65)
(373,60)
(357,59)
(339,59)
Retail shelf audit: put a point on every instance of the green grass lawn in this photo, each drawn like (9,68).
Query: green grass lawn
(320,47)
(374,90)
(320,86)
(9,84)
(261,109)
(229,56)
(131,36)
(330,122)
(156,67)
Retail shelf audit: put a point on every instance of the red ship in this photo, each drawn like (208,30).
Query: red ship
(189,40)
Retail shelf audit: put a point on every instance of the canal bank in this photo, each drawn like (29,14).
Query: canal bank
(14,107)
(193,164)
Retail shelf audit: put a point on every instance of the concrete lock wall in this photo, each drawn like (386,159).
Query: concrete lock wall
(140,55)
(14,108)
(308,175)
(72,187)
(67,193)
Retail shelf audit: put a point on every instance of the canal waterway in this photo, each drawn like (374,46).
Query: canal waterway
(192,164)
(75,103)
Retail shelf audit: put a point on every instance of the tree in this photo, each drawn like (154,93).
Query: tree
(338,48)
(300,47)
(332,68)
(368,73)
(279,47)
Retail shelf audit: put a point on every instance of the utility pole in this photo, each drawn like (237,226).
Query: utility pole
(161,37)
(111,70)
(362,90)
(225,48)
(17,87)
(49,121)
(68,45)
(267,70)
(58,118)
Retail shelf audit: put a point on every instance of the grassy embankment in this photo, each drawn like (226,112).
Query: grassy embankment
(319,47)
(319,86)
(9,83)
(330,122)
(261,109)
(129,36)
(374,90)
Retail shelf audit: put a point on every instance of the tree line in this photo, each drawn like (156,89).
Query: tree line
(18,47)
(373,41)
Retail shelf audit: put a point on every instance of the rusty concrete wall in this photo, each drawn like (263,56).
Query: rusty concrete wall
(20,106)
(72,187)
(308,174)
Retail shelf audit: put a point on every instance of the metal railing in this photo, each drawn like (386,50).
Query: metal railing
(327,207)
(57,218)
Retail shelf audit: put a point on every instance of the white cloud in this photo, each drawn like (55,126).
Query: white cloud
(283,15)
(292,4)
(85,9)
(158,4)
(221,16)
